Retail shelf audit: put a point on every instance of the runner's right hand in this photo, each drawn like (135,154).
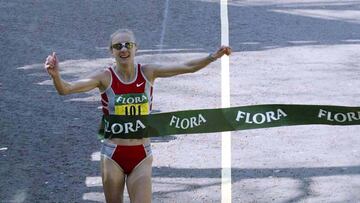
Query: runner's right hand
(52,65)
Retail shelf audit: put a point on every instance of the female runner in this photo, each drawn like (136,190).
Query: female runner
(126,161)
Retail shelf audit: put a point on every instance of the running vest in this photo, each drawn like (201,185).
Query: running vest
(127,98)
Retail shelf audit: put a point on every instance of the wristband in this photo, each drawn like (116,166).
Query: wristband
(211,58)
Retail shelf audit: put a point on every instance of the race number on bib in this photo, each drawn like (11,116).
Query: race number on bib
(131,104)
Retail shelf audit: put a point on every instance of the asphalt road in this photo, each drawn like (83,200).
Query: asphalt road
(284,52)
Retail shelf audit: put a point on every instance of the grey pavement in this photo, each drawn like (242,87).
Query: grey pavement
(285,51)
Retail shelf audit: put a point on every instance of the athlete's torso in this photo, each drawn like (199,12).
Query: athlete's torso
(128,98)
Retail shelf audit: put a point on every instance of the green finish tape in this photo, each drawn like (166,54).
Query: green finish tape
(226,119)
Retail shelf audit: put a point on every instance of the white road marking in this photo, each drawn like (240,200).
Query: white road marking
(225,102)
(93,181)
(95,156)
(94,196)
(351,16)
(164,25)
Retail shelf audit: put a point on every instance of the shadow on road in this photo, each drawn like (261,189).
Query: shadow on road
(265,26)
(302,175)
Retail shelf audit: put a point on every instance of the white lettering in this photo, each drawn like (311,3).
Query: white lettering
(201,119)
(329,117)
(130,100)
(240,115)
(248,118)
(281,113)
(173,120)
(106,129)
(119,100)
(270,115)
(185,123)
(116,128)
(322,113)
(128,126)
(137,100)
(351,115)
(339,117)
(139,124)
(193,122)
(260,118)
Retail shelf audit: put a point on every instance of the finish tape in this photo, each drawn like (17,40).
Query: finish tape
(225,119)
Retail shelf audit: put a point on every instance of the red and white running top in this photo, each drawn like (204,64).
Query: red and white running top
(127,98)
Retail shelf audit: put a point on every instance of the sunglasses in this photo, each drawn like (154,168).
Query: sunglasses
(119,46)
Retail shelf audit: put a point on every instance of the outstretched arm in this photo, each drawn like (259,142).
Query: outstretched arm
(154,71)
(63,87)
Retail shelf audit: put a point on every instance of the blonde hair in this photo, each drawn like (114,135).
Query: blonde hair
(121,31)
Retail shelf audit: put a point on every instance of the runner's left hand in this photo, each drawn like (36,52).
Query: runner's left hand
(221,51)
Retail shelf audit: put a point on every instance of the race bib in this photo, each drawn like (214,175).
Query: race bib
(131,104)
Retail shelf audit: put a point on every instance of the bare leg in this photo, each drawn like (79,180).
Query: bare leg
(139,182)
(113,179)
